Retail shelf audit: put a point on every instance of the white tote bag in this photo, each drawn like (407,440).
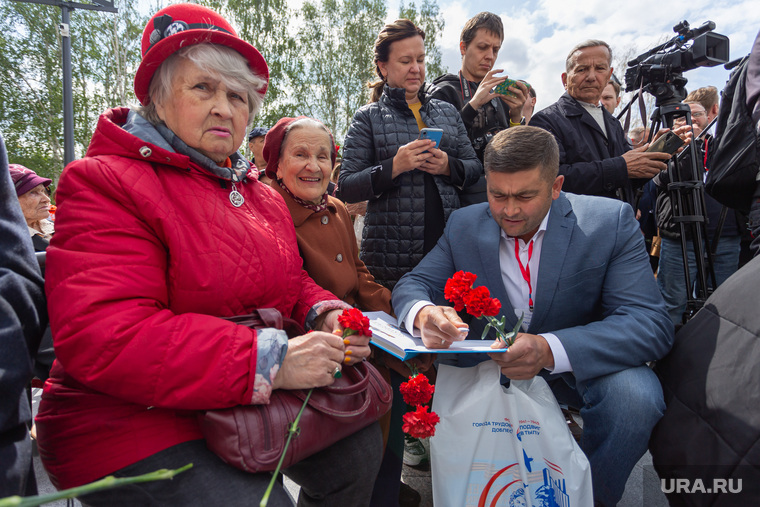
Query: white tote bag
(497,446)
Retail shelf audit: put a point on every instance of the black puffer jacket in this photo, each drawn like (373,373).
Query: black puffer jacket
(392,241)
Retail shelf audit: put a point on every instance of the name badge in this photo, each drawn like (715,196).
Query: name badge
(526,319)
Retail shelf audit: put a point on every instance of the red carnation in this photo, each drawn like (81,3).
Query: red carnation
(354,320)
(420,423)
(457,288)
(417,391)
(492,310)
(479,302)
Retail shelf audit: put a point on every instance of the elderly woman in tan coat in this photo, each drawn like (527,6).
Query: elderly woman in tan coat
(300,154)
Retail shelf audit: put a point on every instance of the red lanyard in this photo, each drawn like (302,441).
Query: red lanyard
(525,270)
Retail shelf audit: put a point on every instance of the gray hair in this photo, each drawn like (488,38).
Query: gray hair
(309,122)
(306,122)
(219,61)
(591,43)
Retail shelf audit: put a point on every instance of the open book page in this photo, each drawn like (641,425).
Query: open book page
(388,336)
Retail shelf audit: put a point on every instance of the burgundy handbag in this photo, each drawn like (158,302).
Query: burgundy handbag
(252,437)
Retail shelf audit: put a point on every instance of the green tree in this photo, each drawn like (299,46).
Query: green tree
(320,59)
(430,19)
(30,86)
(108,58)
(103,62)
(105,53)
(338,35)
(266,25)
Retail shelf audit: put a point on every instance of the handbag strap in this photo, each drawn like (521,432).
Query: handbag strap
(363,371)
(359,375)
(271,317)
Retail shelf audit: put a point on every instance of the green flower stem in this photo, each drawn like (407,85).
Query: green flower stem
(104,483)
(292,429)
(412,368)
(498,324)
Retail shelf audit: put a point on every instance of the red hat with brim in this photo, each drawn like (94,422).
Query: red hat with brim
(183,25)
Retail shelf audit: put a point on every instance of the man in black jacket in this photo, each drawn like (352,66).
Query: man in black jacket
(22,320)
(483,112)
(595,156)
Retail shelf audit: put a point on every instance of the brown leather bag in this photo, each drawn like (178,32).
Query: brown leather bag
(252,437)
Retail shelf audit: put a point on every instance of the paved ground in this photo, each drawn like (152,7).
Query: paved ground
(419,479)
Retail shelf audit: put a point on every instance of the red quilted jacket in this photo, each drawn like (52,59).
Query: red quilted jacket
(148,252)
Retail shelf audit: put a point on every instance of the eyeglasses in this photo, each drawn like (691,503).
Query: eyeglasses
(698,114)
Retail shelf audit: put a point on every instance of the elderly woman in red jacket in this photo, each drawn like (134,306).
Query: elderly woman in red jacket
(160,232)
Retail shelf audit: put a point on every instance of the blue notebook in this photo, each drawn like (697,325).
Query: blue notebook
(388,336)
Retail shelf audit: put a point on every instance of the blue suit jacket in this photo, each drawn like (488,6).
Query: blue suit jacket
(595,290)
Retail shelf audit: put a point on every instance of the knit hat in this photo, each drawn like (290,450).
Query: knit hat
(182,25)
(25,179)
(257,132)
(273,144)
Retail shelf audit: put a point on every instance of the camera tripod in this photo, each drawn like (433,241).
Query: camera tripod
(687,199)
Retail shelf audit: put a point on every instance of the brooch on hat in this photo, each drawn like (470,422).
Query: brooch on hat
(164,26)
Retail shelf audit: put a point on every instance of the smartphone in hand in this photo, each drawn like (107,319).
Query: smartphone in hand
(503,88)
(666,143)
(432,134)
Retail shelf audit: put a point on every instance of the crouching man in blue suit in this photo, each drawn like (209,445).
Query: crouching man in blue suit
(576,266)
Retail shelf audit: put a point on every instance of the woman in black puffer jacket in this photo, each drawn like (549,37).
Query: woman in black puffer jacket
(411,185)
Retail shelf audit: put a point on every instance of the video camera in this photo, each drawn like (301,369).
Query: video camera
(659,70)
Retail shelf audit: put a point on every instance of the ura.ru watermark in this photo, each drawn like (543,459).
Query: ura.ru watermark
(687,486)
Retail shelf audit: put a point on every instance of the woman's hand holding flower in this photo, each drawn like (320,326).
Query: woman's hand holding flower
(330,321)
(310,361)
(353,328)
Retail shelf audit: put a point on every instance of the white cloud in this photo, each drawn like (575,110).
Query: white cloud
(539,35)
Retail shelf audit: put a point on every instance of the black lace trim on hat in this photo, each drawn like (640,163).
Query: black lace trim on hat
(164,26)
